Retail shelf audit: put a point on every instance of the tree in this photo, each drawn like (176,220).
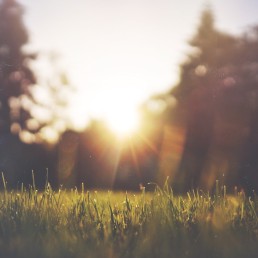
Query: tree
(213,50)
(218,98)
(205,103)
(31,107)
(15,73)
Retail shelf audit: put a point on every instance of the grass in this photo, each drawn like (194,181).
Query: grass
(72,223)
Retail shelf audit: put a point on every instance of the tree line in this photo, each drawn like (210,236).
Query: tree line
(204,129)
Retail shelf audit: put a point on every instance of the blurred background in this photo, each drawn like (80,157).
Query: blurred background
(117,94)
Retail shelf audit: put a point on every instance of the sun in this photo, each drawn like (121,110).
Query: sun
(120,113)
(123,122)
(118,109)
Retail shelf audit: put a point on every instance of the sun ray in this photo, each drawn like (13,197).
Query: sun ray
(134,158)
(149,143)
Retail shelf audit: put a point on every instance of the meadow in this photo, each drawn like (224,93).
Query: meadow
(73,223)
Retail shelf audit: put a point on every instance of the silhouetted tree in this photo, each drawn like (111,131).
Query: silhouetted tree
(247,101)
(32,108)
(15,74)
(196,94)
(218,96)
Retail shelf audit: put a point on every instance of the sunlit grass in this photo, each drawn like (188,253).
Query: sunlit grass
(72,223)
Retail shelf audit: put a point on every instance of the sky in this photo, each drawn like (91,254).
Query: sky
(117,53)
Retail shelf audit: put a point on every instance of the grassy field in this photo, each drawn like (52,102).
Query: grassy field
(69,223)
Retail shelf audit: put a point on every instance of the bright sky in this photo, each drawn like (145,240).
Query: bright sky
(119,52)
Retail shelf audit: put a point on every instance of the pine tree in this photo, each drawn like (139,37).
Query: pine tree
(213,50)
(199,92)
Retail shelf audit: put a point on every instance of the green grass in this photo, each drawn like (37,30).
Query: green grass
(71,223)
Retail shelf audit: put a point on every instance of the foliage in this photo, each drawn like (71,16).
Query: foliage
(69,223)
(32,107)
(15,73)
(49,101)
(217,108)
